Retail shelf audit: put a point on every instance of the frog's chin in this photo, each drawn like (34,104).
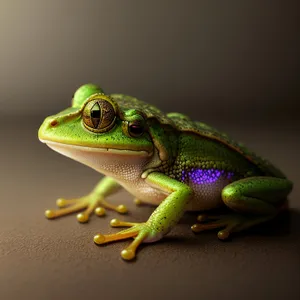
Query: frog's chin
(108,161)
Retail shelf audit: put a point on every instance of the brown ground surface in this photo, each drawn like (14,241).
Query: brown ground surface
(43,259)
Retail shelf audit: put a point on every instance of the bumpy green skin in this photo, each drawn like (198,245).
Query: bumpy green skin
(255,192)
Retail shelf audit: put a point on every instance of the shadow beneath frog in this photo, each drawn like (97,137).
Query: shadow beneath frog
(286,227)
(283,230)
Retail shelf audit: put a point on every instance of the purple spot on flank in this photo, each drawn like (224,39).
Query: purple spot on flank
(205,176)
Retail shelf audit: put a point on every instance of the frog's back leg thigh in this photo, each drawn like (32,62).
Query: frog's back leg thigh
(254,200)
(256,195)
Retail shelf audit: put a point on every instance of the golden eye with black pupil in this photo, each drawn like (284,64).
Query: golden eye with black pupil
(99,115)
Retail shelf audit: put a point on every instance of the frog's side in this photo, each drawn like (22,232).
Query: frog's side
(168,160)
(197,150)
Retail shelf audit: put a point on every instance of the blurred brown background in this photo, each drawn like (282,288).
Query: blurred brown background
(203,57)
(233,64)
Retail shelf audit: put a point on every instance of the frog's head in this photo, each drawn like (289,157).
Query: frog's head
(96,131)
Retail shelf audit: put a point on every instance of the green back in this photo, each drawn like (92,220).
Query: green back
(184,124)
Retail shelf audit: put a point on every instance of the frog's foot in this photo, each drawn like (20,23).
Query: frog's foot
(141,232)
(90,203)
(230,223)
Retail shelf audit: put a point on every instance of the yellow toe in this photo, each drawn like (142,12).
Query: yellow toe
(223,234)
(61,202)
(49,214)
(114,223)
(82,218)
(128,254)
(100,211)
(137,201)
(122,209)
(201,218)
(99,239)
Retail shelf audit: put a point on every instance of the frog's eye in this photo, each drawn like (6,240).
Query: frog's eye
(99,115)
(135,125)
(135,129)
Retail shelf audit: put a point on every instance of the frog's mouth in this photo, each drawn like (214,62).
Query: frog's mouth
(117,163)
(60,147)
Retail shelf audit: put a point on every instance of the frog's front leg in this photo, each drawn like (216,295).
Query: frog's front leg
(165,216)
(91,202)
(254,200)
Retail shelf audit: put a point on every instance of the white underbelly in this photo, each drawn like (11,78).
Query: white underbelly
(144,192)
(206,196)
(207,186)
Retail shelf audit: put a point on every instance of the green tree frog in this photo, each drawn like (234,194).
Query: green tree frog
(166,160)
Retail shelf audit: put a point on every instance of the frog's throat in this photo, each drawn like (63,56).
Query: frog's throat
(59,147)
(122,165)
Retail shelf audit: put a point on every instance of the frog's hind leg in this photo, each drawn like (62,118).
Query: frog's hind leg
(254,200)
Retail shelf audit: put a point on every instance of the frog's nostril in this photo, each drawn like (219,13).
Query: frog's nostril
(53,123)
